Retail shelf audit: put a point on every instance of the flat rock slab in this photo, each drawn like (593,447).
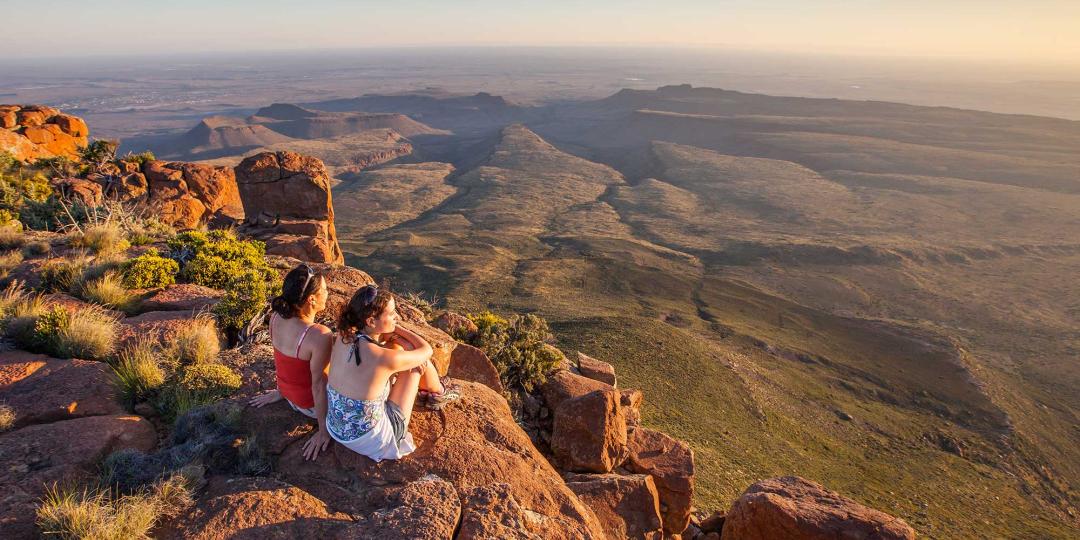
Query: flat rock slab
(41,389)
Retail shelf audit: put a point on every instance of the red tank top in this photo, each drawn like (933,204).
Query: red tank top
(293,374)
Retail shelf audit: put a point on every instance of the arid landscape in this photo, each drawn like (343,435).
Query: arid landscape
(877,296)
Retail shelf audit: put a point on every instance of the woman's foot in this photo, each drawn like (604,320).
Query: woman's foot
(436,401)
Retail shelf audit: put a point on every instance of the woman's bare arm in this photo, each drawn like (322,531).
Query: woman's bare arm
(320,357)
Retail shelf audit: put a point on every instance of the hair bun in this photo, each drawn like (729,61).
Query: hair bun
(282,306)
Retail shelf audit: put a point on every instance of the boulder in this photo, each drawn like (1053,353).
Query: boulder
(41,389)
(596,370)
(38,456)
(589,433)
(627,506)
(563,385)
(181,297)
(468,363)
(285,194)
(796,508)
(471,443)
(631,405)
(31,132)
(494,512)
(255,508)
(188,194)
(159,325)
(671,464)
(455,324)
(713,523)
(427,509)
(80,189)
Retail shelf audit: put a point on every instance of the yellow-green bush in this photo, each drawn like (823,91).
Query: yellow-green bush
(150,270)
(209,382)
(518,347)
(220,260)
(140,158)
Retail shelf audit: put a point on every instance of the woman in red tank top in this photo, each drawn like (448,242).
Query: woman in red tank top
(301,351)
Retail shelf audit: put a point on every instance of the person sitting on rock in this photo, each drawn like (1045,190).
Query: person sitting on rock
(301,351)
(377,370)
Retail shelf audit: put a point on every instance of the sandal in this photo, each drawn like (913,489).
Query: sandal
(451,393)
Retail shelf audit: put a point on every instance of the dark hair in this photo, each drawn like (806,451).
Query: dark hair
(299,284)
(362,306)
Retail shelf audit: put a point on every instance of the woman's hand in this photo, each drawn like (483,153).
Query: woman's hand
(317,443)
(266,398)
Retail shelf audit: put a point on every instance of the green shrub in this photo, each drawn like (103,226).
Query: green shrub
(108,290)
(22,190)
(220,260)
(47,328)
(140,158)
(7,418)
(98,153)
(102,239)
(150,270)
(209,382)
(138,372)
(518,347)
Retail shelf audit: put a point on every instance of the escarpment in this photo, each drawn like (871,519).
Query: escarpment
(116,371)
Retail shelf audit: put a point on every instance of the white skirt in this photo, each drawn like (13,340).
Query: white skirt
(381,442)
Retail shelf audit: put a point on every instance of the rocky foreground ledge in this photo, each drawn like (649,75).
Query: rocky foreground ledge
(573,461)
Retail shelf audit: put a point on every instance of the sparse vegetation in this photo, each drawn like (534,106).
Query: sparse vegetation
(64,274)
(140,158)
(37,248)
(11,237)
(97,514)
(8,262)
(150,270)
(518,347)
(139,372)
(88,333)
(108,290)
(102,239)
(208,382)
(198,342)
(7,418)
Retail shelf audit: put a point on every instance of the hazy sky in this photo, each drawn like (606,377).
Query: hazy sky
(1044,31)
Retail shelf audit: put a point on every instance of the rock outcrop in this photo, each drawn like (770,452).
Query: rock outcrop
(31,132)
(41,389)
(795,508)
(187,194)
(626,505)
(287,203)
(671,464)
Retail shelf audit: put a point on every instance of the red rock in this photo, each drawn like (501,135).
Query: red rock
(37,456)
(471,443)
(596,370)
(288,187)
(8,118)
(468,363)
(72,125)
(215,187)
(85,191)
(442,344)
(631,405)
(627,506)
(182,212)
(792,507)
(671,464)
(41,389)
(563,385)
(427,509)
(713,523)
(28,117)
(20,146)
(160,325)
(255,509)
(455,324)
(494,512)
(181,297)
(187,194)
(589,433)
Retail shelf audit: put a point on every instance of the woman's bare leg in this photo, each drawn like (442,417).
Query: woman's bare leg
(430,379)
(403,392)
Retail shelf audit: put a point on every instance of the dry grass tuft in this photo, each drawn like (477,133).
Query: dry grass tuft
(108,290)
(198,341)
(7,418)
